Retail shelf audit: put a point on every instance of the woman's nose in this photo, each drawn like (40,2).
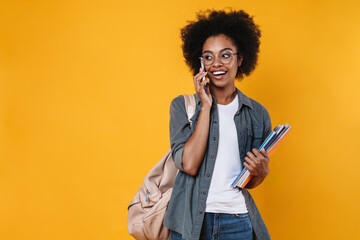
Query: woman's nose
(217,62)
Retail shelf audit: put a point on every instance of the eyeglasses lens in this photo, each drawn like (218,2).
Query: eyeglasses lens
(224,57)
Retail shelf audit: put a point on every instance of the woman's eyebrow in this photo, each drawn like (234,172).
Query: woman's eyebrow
(208,51)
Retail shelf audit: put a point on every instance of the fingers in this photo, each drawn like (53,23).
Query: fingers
(260,155)
(257,162)
(199,84)
(265,154)
(251,155)
(248,167)
(249,164)
(252,159)
(204,82)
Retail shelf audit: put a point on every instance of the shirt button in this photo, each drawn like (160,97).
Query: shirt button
(215,122)
(212,156)
(208,175)
(204,193)
(214,138)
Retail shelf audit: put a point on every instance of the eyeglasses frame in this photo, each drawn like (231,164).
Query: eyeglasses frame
(202,57)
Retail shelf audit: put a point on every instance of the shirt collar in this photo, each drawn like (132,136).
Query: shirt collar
(243,99)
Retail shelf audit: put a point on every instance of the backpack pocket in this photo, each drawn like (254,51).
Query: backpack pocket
(134,219)
(153,220)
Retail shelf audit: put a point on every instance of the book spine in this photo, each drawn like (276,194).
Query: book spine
(246,181)
(276,146)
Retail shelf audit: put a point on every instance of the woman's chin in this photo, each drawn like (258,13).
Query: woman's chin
(219,83)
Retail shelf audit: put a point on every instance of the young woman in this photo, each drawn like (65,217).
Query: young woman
(227,128)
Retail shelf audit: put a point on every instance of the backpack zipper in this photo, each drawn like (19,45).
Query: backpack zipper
(147,195)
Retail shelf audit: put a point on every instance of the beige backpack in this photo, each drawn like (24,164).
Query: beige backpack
(146,211)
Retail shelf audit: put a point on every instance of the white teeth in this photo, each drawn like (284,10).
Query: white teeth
(219,72)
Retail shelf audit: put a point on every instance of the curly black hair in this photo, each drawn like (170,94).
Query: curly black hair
(237,25)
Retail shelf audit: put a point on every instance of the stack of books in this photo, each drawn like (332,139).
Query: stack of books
(271,143)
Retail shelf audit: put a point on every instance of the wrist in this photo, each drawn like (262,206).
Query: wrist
(254,182)
(206,108)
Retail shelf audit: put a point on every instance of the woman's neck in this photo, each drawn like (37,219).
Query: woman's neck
(223,96)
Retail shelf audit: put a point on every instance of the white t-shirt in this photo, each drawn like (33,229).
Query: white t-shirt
(222,198)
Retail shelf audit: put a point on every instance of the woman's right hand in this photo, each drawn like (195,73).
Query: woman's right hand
(195,146)
(200,86)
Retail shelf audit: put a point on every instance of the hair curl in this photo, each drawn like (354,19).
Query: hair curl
(237,25)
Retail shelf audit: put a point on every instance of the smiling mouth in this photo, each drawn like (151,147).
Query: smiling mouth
(218,74)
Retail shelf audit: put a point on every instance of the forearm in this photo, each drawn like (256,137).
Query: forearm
(195,147)
(254,182)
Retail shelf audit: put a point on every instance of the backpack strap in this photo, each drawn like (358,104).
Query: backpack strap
(190,106)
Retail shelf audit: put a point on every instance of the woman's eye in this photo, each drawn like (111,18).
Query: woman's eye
(208,58)
(225,55)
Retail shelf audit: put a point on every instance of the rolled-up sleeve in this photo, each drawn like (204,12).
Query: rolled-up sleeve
(180,130)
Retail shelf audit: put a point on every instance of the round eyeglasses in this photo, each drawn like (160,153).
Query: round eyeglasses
(224,57)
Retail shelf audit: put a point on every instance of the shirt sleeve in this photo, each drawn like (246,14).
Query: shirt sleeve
(180,130)
(267,124)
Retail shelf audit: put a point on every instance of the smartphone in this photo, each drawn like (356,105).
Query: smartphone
(204,77)
(202,66)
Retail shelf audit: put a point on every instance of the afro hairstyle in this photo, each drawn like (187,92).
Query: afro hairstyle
(237,25)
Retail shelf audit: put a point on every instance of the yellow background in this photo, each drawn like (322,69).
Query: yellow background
(85,88)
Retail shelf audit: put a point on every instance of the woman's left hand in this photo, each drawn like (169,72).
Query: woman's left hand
(257,163)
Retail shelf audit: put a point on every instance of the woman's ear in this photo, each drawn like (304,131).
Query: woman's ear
(240,59)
